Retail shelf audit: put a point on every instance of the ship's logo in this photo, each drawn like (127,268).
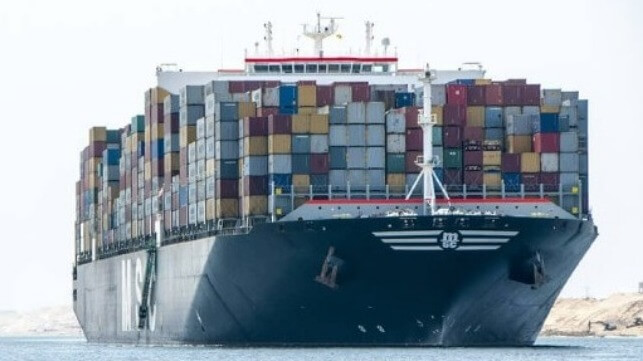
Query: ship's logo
(439,240)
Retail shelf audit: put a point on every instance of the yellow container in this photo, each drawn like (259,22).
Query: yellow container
(171,163)
(319,124)
(301,124)
(530,163)
(518,144)
(300,180)
(157,95)
(549,109)
(307,96)
(148,171)
(93,165)
(210,166)
(279,144)
(491,157)
(210,207)
(98,134)
(437,110)
(187,135)
(157,131)
(475,116)
(247,109)
(226,208)
(482,81)
(492,180)
(257,145)
(396,182)
(255,205)
(307,110)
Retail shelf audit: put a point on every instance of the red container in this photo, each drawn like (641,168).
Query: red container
(511,94)
(156,113)
(249,86)
(456,94)
(319,163)
(452,137)
(96,149)
(271,83)
(279,124)
(510,163)
(411,116)
(550,181)
(473,135)
(546,142)
(255,185)
(531,94)
(236,87)
(454,114)
(531,181)
(157,167)
(226,188)
(473,178)
(493,94)
(361,92)
(414,139)
(473,158)
(409,160)
(453,177)
(267,111)
(516,81)
(476,95)
(255,126)
(325,95)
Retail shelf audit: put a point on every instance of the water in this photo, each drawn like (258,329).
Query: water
(547,349)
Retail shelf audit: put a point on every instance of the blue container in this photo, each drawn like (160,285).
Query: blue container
(112,156)
(189,114)
(497,134)
(395,163)
(228,111)
(301,163)
(319,182)
(113,136)
(493,117)
(288,99)
(301,143)
(547,123)
(158,149)
(337,157)
(227,169)
(280,180)
(512,182)
(138,123)
(183,196)
(337,114)
(464,82)
(563,124)
(404,100)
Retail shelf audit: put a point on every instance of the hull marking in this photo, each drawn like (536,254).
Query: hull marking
(409,240)
(406,233)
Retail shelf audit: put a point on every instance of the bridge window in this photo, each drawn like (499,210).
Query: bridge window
(299,68)
(356,68)
(287,68)
(261,68)
(275,69)
(346,68)
(333,68)
(322,68)
(311,68)
(366,68)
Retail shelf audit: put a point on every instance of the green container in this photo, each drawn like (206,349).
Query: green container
(395,163)
(453,158)
(437,136)
(138,124)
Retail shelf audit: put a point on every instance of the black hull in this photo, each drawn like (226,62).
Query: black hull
(264,288)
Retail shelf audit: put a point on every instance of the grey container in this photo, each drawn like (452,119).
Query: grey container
(191,154)
(200,211)
(338,178)
(356,157)
(376,179)
(552,97)
(583,164)
(210,128)
(226,130)
(568,180)
(200,149)
(520,124)
(279,164)
(189,114)
(192,193)
(337,114)
(570,113)
(191,95)
(192,214)
(439,153)
(200,128)
(437,136)
(343,94)
(356,113)
(227,112)
(507,111)
(375,157)
(531,109)
(210,190)
(319,181)
(438,94)
(569,98)
(375,135)
(356,135)
(338,135)
(357,178)
(172,143)
(255,165)
(270,97)
(301,163)
(568,142)
(375,113)
(227,169)
(395,122)
(396,143)
(494,134)
(200,169)
(569,162)
(319,143)
(337,156)
(171,104)
(210,105)
(549,162)
(200,191)
(226,149)
(210,148)
(216,87)
(563,124)
(395,163)
(301,144)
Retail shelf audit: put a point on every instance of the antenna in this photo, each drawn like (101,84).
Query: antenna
(369,37)
(318,34)
(385,43)
(268,37)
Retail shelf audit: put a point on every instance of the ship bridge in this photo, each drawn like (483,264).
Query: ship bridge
(322,65)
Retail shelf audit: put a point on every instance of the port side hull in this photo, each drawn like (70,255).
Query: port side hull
(270,287)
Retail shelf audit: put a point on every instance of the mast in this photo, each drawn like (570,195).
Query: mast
(369,37)
(268,37)
(318,34)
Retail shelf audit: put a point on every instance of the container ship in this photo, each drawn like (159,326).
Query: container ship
(332,200)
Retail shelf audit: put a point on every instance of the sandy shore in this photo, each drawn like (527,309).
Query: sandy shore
(50,321)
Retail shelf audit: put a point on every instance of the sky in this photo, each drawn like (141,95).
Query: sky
(68,65)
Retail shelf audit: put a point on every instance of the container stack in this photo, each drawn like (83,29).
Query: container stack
(171,161)
(191,109)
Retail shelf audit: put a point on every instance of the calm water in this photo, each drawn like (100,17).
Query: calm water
(547,349)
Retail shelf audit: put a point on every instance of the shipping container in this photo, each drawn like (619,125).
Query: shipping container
(530,163)
(493,117)
(549,162)
(337,157)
